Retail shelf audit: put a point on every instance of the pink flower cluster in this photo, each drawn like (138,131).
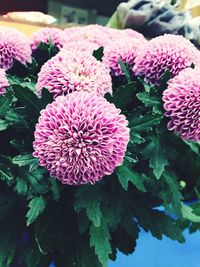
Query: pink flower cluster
(3,82)
(74,71)
(124,50)
(80,138)
(13,46)
(167,52)
(182,104)
(46,35)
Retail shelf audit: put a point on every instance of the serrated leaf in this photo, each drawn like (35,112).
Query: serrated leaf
(55,190)
(171,194)
(6,175)
(123,95)
(88,198)
(195,147)
(98,54)
(99,239)
(156,153)
(5,103)
(145,123)
(25,160)
(150,101)
(36,207)
(126,174)
(136,138)
(125,70)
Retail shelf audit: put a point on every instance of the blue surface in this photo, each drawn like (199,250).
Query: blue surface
(151,252)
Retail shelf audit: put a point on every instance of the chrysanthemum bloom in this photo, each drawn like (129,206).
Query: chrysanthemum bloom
(46,35)
(167,52)
(182,104)
(80,138)
(94,33)
(127,33)
(68,72)
(13,46)
(124,50)
(3,82)
(82,46)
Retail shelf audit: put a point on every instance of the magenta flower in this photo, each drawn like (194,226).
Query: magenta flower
(94,33)
(46,35)
(74,71)
(13,46)
(182,104)
(167,52)
(80,138)
(124,50)
(3,82)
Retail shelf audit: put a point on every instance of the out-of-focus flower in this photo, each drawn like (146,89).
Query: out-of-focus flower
(46,35)
(13,46)
(167,52)
(124,50)
(80,138)
(3,82)
(82,46)
(68,72)
(182,104)
(94,33)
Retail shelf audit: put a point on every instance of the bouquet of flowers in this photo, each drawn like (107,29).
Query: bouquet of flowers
(98,128)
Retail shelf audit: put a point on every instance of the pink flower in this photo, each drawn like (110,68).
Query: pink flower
(167,52)
(74,71)
(84,46)
(80,138)
(3,82)
(182,104)
(45,35)
(13,46)
(124,50)
(94,33)
(127,33)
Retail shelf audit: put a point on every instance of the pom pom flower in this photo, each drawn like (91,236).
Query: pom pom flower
(13,46)
(68,72)
(94,33)
(83,46)
(182,104)
(167,52)
(3,82)
(80,138)
(124,50)
(46,35)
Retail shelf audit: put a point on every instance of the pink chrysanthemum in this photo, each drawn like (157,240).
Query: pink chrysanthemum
(127,33)
(3,82)
(13,46)
(82,46)
(80,138)
(94,33)
(46,35)
(167,52)
(68,72)
(182,104)
(124,50)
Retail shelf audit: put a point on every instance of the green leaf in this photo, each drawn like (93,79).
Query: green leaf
(126,174)
(36,207)
(98,54)
(150,101)
(25,160)
(125,70)
(99,239)
(136,138)
(55,189)
(195,147)
(123,95)
(157,222)
(21,186)
(171,193)
(4,125)
(88,198)
(155,151)
(188,214)
(6,174)
(146,122)
(5,103)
